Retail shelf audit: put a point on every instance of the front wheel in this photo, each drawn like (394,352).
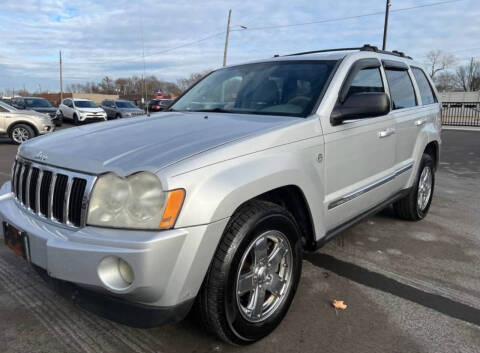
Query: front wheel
(254,274)
(76,122)
(21,133)
(416,204)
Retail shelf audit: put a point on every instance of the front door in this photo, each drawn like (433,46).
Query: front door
(359,158)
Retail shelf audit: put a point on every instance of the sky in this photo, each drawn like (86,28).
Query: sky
(107,38)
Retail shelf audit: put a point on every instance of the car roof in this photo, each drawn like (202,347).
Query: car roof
(81,99)
(30,98)
(339,55)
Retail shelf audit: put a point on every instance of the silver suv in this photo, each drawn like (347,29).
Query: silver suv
(213,201)
(22,125)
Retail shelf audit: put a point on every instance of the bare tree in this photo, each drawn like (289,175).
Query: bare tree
(437,61)
(468,76)
(185,83)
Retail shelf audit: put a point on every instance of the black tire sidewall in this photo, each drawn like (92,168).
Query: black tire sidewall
(245,331)
(427,161)
(75,120)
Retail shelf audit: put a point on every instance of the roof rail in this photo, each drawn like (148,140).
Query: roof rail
(365,47)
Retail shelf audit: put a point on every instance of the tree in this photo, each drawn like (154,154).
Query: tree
(107,85)
(468,76)
(446,82)
(185,83)
(437,61)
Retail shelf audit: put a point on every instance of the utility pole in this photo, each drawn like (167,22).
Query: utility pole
(61,79)
(385,28)
(226,38)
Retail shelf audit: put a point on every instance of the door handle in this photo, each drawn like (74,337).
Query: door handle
(386,132)
(420,122)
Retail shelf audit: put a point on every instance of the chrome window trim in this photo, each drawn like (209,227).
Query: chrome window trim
(367,188)
(90,181)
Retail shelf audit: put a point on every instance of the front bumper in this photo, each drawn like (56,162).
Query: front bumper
(168,266)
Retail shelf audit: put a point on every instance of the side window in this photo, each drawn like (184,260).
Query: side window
(366,80)
(426,91)
(401,89)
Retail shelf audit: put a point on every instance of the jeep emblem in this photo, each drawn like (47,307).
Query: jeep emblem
(42,156)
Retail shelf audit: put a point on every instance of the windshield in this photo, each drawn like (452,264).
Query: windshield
(7,107)
(85,104)
(124,104)
(37,103)
(274,88)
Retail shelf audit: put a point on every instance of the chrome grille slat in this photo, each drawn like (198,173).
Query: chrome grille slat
(39,187)
(27,190)
(50,195)
(66,199)
(20,183)
(34,186)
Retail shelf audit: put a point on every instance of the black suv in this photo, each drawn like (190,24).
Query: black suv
(37,104)
(159,105)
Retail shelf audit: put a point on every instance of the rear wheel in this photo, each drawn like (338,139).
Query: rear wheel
(254,274)
(21,133)
(416,204)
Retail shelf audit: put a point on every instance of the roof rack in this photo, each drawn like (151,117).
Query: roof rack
(365,47)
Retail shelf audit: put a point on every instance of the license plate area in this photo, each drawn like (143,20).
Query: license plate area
(17,241)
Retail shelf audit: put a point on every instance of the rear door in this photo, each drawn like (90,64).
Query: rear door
(407,116)
(359,154)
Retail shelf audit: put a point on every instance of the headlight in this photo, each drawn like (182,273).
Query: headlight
(136,202)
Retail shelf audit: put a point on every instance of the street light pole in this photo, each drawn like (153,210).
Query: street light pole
(226,38)
(385,28)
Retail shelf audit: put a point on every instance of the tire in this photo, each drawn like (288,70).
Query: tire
(117,116)
(235,269)
(416,204)
(76,122)
(20,133)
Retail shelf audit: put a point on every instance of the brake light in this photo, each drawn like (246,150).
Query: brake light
(155,107)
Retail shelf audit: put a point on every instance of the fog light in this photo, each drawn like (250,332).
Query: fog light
(115,273)
(125,271)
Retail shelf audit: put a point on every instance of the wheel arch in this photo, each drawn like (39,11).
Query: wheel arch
(433,149)
(20,122)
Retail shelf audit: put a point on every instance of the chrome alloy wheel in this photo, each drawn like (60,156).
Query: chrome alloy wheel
(424,188)
(264,276)
(20,134)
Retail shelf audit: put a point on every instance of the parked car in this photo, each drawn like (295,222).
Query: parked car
(214,201)
(159,105)
(22,125)
(38,104)
(80,111)
(119,108)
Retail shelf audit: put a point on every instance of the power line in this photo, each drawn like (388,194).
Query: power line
(351,17)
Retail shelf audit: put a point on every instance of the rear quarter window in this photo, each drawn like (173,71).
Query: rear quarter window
(401,89)
(426,91)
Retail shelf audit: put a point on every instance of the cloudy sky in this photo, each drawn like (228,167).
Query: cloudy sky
(100,38)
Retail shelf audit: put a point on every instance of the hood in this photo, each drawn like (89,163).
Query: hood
(145,143)
(30,113)
(90,110)
(130,110)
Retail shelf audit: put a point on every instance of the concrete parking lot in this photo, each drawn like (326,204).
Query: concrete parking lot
(409,287)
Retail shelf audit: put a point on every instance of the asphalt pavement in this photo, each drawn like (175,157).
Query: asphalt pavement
(409,286)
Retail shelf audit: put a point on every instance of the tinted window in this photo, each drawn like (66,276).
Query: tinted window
(37,103)
(125,105)
(367,80)
(401,89)
(273,88)
(85,104)
(426,92)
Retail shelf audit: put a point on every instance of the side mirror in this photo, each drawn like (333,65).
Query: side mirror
(361,105)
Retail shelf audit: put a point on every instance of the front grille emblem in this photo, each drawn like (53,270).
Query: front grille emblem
(41,156)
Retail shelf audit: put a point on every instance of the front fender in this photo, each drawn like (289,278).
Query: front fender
(216,191)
